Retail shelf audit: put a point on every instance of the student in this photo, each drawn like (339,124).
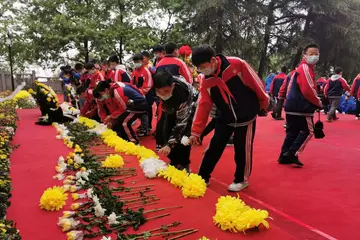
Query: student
(178,100)
(274,91)
(146,60)
(159,53)
(119,73)
(95,76)
(355,88)
(142,79)
(106,70)
(172,64)
(301,103)
(233,86)
(333,91)
(119,105)
(89,109)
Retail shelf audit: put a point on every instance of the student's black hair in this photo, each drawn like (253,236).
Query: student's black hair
(313,45)
(81,89)
(94,61)
(105,62)
(202,54)
(338,70)
(138,57)
(284,69)
(79,66)
(89,66)
(170,47)
(114,58)
(100,87)
(163,79)
(158,48)
(146,54)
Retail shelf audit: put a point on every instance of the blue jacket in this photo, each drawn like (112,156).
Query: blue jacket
(335,87)
(268,80)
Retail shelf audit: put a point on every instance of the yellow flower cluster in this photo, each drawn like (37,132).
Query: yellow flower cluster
(53,199)
(22,95)
(234,215)
(113,161)
(193,186)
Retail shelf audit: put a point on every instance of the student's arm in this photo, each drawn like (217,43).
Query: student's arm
(121,105)
(101,110)
(148,82)
(307,86)
(345,85)
(202,112)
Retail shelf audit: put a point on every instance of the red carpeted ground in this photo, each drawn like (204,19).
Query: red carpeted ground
(319,201)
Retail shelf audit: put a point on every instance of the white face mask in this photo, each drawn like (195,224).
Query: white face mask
(138,65)
(165,98)
(312,60)
(208,71)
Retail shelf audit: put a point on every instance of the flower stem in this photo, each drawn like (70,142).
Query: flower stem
(162,209)
(183,235)
(158,216)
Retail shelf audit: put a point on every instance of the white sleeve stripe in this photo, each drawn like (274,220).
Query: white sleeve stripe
(308,78)
(256,77)
(119,99)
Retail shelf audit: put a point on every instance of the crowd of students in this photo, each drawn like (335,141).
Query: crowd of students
(227,89)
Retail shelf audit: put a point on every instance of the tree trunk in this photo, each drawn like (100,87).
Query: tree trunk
(86,48)
(219,33)
(121,42)
(298,55)
(270,22)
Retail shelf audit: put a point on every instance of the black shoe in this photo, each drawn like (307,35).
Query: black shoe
(273,116)
(284,160)
(143,134)
(158,147)
(279,118)
(294,159)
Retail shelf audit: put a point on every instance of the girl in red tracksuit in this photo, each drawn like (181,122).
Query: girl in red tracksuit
(236,90)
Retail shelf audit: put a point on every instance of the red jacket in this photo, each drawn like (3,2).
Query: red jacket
(95,78)
(277,83)
(235,89)
(358,95)
(175,66)
(89,109)
(142,79)
(119,75)
(355,86)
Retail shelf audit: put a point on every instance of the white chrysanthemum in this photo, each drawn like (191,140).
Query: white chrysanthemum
(106,238)
(61,159)
(80,182)
(152,166)
(90,193)
(78,159)
(99,210)
(112,219)
(185,141)
(59,176)
(96,200)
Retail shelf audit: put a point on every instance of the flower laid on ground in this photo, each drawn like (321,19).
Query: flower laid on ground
(174,176)
(68,224)
(75,235)
(234,215)
(53,199)
(113,161)
(152,166)
(193,186)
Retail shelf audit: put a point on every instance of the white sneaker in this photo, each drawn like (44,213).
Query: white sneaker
(237,187)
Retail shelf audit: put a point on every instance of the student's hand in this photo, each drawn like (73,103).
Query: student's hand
(194,140)
(109,125)
(165,151)
(107,119)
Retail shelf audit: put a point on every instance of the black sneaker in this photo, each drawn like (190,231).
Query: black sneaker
(143,133)
(158,147)
(294,159)
(279,118)
(284,160)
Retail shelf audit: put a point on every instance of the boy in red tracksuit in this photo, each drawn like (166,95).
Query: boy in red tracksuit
(119,105)
(89,109)
(238,93)
(172,64)
(355,88)
(118,73)
(106,71)
(274,91)
(301,103)
(142,79)
(333,91)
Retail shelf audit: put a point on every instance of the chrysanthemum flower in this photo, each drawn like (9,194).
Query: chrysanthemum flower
(53,199)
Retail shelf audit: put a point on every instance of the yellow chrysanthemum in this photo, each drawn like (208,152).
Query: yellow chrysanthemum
(22,95)
(77,149)
(174,176)
(113,161)
(234,215)
(53,199)
(75,196)
(31,91)
(193,186)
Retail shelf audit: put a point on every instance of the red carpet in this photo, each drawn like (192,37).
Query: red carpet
(318,201)
(33,166)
